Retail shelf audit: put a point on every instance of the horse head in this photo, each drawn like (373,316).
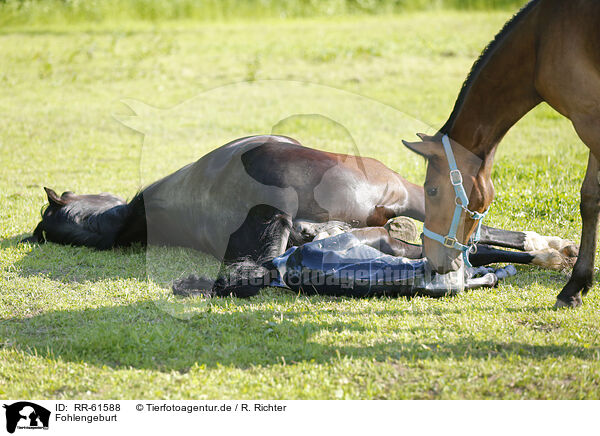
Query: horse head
(458,192)
(88,220)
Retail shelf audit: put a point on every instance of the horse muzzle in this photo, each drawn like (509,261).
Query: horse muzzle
(442,259)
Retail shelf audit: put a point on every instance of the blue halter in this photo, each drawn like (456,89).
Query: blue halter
(462,203)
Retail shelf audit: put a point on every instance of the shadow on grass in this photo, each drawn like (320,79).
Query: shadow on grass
(68,264)
(141,336)
(531,275)
(12,241)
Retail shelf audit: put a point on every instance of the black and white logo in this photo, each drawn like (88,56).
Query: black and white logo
(26,415)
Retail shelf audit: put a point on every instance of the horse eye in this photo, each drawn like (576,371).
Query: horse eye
(432,192)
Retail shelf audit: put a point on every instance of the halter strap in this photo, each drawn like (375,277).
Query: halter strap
(462,203)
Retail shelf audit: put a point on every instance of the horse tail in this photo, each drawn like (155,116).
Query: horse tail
(239,279)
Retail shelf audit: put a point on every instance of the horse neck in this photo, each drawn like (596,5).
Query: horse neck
(500,89)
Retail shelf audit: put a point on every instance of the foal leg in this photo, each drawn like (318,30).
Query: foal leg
(547,258)
(581,279)
(304,231)
(526,241)
(380,239)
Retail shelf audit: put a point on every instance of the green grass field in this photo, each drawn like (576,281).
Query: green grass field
(76,323)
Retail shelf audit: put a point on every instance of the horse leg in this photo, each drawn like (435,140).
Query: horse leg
(380,239)
(546,258)
(581,279)
(304,231)
(244,272)
(526,241)
(503,238)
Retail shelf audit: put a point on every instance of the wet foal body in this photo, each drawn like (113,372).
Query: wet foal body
(550,51)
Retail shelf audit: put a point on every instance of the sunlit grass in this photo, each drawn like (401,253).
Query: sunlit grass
(89,324)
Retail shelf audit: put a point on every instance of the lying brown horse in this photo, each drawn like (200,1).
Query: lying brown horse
(550,51)
(220,204)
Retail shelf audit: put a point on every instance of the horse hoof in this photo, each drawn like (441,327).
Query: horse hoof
(570,250)
(402,228)
(535,242)
(549,258)
(571,304)
(564,246)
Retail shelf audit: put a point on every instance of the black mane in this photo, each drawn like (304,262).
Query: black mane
(481,61)
(100,221)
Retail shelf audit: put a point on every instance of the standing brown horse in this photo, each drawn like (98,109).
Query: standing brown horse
(549,51)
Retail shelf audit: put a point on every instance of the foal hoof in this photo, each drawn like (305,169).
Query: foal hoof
(570,250)
(402,228)
(571,304)
(563,246)
(551,259)
(534,242)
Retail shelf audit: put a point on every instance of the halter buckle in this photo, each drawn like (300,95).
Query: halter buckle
(456,178)
(449,242)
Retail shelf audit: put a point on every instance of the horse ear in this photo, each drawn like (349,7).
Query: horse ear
(53,198)
(67,196)
(425,137)
(425,149)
